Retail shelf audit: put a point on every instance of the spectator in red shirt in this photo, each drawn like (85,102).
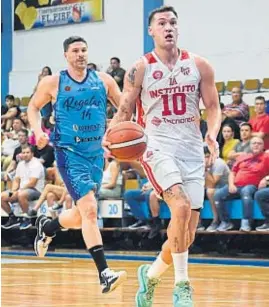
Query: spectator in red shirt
(260,123)
(244,180)
(238,109)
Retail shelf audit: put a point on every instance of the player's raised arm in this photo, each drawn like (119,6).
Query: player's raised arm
(113,90)
(41,97)
(211,101)
(132,87)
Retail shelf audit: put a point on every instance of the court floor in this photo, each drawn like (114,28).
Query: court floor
(66,282)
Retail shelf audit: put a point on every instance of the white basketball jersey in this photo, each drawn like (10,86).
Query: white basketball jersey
(168,107)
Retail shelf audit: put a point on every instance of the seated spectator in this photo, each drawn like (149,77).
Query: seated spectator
(242,147)
(112,180)
(9,144)
(26,124)
(260,123)
(45,155)
(116,71)
(229,142)
(46,111)
(246,176)
(55,194)
(228,121)
(134,198)
(216,177)
(92,66)
(27,186)
(12,112)
(238,109)
(262,198)
(17,125)
(17,156)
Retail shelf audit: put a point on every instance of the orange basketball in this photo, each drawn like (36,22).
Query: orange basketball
(128,141)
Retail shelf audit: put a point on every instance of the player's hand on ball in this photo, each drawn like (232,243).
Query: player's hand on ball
(105,143)
(213,147)
(42,140)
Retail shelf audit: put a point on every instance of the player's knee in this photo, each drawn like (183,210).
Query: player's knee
(182,213)
(77,220)
(4,196)
(90,212)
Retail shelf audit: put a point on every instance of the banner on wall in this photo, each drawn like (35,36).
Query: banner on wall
(29,14)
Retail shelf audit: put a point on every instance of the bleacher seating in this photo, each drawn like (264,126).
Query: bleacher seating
(231,84)
(265,85)
(251,86)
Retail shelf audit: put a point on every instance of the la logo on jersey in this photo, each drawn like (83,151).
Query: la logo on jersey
(172,81)
(185,71)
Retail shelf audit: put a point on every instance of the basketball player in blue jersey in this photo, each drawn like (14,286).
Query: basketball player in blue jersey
(79,98)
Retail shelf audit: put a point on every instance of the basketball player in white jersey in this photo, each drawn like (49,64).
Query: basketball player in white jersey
(168,83)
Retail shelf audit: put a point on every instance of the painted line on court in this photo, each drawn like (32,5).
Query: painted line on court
(240,262)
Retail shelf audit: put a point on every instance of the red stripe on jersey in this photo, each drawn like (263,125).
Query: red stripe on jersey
(151,178)
(184,55)
(140,113)
(150,58)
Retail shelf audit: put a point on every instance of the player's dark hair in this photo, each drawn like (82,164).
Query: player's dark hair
(116,59)
(73,39)
(161,9)
(260,98)
(246,124)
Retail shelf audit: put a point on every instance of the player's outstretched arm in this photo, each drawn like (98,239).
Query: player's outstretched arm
(210,97)
(132,87)
(40,98)
(211,101)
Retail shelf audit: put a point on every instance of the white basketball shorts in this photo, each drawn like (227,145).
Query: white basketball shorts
(164,171)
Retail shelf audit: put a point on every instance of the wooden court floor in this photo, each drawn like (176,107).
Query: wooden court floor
(48,282)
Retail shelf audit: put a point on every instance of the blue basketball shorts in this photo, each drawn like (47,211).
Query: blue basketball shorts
(80,174)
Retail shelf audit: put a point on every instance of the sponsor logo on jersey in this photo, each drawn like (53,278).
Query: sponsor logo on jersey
(79,139)
(185,71)
(67,88)
(188,88)
(88,128)
(156,121)
(179,120)
(77,104)
(157,74)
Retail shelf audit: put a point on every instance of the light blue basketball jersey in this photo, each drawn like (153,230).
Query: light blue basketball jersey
(80,114)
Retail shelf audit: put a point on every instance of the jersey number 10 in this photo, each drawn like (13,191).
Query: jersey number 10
(179,104)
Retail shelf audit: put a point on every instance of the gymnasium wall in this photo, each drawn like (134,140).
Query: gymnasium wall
(232,35)
(120,34)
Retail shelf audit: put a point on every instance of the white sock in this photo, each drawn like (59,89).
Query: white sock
(157,268)
(181,266)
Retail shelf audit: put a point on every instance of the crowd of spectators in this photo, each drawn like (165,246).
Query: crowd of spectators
(30,176)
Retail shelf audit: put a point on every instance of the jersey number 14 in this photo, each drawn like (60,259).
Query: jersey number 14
(178,104)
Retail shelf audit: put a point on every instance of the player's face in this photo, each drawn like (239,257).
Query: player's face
(245,133)
(77,55)
(259,106)
(164,30)
(227,133)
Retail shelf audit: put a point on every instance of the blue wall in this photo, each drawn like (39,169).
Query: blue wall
(149,5)
(6,41)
